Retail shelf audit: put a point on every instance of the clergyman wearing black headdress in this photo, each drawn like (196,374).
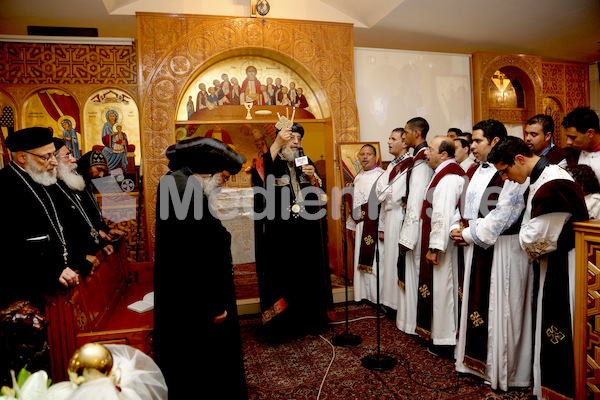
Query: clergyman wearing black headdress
(291,244)
(35,259)
(197,341)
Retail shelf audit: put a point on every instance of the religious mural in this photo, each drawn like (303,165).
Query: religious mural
(246,81)
(111,122)
(58,111)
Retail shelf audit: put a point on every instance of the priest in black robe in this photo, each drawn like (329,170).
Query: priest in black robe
(197,340)
(35,257)
(291,240)
(90,166)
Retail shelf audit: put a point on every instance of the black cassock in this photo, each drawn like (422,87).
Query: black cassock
(193,283)
(32,261)
(32,251)
(291,251)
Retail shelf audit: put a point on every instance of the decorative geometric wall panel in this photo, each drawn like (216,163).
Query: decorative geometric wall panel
(31,63)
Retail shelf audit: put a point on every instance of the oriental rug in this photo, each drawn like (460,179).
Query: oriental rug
(312,368)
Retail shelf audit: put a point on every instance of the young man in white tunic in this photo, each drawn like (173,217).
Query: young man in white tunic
(365,278)
(495,320)
(553,203)
(583,136)
(415,134)
(391,189)
(438,283)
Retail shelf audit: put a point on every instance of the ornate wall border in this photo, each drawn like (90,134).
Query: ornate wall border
(173,48)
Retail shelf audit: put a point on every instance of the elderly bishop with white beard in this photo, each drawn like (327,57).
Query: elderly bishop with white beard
(197,340)
(292,264)
(36,260)
(83,238)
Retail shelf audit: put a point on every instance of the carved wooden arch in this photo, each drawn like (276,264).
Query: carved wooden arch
(172,48)
(484,66)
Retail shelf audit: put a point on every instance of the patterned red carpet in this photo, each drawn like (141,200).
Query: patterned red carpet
(312,368)
(246,283)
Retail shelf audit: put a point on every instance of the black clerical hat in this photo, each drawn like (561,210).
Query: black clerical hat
(296,127)
(28,138)
(58,143)
(88,160)
(204,156)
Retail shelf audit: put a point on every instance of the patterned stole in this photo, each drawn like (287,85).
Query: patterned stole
(369,214)
(479,297)
(556,334)
(471,170)
(425,300)
(403,165)
(460,250)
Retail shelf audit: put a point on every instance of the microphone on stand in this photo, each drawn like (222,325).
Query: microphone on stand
(346,339)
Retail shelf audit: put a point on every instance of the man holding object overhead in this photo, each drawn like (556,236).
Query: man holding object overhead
(291,239)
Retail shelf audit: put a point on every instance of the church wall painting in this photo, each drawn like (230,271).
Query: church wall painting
(58,111)
(232,82)
(111,122)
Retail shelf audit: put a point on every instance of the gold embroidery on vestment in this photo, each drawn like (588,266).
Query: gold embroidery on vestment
(554,334)
(476,318)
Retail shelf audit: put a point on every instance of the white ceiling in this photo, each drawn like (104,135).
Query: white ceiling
(557,30)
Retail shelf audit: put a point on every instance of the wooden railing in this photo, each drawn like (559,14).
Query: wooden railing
(586,316)
(96,310)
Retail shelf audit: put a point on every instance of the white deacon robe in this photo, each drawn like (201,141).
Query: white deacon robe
(590,158)
(509,344)
(365,284)
(545,229)
(390,223)
(444,203)
(410,237)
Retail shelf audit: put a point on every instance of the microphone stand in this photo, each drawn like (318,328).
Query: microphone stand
(346,339)
(378,361)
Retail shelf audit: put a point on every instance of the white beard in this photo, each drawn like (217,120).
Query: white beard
(289,154)
(72,179)
(39,174)
(210,186)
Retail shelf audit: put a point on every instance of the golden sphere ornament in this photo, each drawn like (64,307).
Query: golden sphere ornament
(90,362)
